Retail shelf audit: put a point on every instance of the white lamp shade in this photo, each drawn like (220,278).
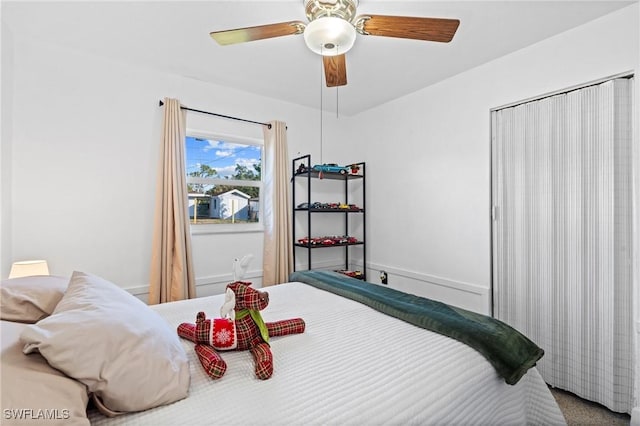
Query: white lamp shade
(28,268)
(329,36)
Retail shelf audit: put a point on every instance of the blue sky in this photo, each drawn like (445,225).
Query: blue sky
(220,155)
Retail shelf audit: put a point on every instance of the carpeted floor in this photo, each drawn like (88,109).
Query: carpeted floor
(578,411)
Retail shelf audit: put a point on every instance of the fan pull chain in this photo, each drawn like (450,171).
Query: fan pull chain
(321,108)
(337,87)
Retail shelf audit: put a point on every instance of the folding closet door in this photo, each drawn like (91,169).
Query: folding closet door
(562,235)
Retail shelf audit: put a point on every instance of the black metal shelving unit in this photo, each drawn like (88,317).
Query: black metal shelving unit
(309,174)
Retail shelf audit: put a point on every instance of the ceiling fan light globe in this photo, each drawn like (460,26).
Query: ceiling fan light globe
(329,36)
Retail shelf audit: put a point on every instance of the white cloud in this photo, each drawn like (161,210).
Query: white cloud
(221,145)
(210,145)
(221,153)
(223,172)
(248,162)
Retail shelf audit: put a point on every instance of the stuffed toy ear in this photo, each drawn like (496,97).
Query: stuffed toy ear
(228,308)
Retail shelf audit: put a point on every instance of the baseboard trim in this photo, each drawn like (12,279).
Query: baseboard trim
(138,291)
(418,276)
(430,279)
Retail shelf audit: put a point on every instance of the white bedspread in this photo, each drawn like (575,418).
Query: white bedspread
(353,365)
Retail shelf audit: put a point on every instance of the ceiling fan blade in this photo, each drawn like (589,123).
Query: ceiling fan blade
(241,35)
(428,29)
(335,70)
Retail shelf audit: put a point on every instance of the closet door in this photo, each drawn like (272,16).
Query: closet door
(562,236)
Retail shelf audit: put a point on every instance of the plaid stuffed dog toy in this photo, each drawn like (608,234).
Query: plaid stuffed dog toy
(240,328)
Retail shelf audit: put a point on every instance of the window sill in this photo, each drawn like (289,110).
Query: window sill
(226,229)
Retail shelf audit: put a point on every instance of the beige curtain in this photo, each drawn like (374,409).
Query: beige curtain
(278,248)
(172,276)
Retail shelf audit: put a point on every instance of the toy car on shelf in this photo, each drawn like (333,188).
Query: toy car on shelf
(327,240)
(317,241)
(305,241)
(328,206)
(344,206)
(324,206)
(343,239)
(332,168)
(355,168)
(339,239)
(353,274)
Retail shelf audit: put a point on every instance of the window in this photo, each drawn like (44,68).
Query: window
(224,181)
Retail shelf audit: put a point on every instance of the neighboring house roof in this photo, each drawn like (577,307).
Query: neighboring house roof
(234,192)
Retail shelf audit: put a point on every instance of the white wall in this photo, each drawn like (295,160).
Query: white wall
(635,415)
(6,92)
(85,146)
(433,146)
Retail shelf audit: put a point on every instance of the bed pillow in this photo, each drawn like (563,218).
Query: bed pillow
(125,353)
(33,392)
(29,299)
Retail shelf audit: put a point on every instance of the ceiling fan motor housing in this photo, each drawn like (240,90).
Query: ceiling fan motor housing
(344,9)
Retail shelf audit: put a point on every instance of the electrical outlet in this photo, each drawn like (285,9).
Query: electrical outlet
(383,277)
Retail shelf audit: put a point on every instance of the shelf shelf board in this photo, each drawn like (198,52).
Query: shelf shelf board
(301,209)
(328,175)
(328,245)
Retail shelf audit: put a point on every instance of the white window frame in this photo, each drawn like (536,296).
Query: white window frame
(228,228)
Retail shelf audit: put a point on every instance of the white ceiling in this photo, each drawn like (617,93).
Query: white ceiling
(173,36)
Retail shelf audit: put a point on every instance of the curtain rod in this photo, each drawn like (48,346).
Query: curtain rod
(220,115)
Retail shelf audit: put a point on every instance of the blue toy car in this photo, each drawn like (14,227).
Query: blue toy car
(332,168)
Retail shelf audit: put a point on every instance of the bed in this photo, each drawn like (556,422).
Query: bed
(353,365)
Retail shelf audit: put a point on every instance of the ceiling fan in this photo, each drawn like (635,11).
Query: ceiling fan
(332,30)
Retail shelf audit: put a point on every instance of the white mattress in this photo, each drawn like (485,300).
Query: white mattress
(353,365)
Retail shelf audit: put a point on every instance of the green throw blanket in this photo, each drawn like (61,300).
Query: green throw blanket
(509,351)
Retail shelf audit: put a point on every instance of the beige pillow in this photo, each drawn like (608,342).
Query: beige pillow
(122,350)
(33,392)
(29,299)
